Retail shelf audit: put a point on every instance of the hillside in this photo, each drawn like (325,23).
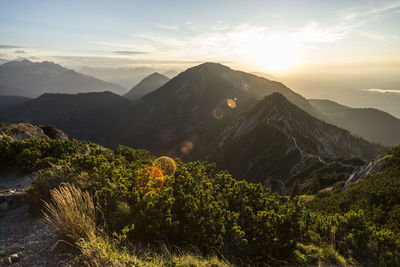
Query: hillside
(372,188)
(147,85)
(275,137)
(7,91)
(372,124)
(36,79)
(8,102)
(87,116)
(144,201)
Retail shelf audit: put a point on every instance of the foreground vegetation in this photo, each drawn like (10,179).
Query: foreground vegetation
(116,204)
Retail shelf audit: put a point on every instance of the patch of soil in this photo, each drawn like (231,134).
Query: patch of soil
(24,239)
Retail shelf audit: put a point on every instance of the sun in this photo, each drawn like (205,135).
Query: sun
(274,55)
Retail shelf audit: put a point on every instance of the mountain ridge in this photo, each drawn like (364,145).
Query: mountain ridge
(373,124)
(48,77)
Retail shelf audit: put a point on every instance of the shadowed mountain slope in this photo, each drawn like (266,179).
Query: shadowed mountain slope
(372,124)
(7,102)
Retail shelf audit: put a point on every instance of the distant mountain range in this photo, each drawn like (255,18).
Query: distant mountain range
(126,77)
(32,79)
(147,85)
(372,124)
(243,122)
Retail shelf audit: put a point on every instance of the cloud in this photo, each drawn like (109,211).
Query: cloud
(169,27)
(128,53)
(383,91)
(9,46)
(373,36)
(363,16)
(19,52)
(99,59)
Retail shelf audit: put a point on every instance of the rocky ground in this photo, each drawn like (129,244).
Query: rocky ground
(24,239)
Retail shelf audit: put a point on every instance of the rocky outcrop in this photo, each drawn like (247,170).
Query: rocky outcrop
(371,168)
(23,131)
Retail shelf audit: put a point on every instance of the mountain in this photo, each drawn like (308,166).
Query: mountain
(245,123)
(265,75)
(187,103)
(7,91)
(124,77)
(275,137)
(7,102)
(86,116)
(271,137)
(47,77)
(147,85)
(371,124)
(170,73)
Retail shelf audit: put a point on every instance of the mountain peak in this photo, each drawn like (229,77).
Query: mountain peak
(147,85)
(275,97)
(155,75)
(211,66)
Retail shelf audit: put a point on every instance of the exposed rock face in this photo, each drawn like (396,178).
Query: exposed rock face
(371,168)
(53,132)
(23,131)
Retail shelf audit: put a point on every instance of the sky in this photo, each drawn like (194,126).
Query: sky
(270,36)
(353,40)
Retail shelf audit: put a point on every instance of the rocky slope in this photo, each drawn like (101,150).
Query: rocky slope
(369,169)
(23,131)
(275,137)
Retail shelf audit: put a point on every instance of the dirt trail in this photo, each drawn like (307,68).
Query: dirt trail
(24,239)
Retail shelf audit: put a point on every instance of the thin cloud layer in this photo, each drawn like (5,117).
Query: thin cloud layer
(3,46)
(383,91)
(129,53)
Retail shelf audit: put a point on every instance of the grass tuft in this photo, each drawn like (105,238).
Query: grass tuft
(71,212)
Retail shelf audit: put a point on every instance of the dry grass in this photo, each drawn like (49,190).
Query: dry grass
(100,252)
(71,212)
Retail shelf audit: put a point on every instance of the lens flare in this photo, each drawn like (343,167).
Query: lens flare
(218,113)
(166,165)
(148,179)
(186,147)
(231,103)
